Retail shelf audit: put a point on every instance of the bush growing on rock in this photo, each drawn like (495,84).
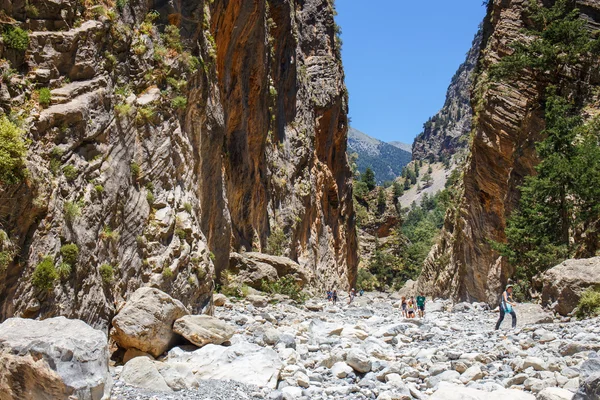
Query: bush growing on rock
(45,96)
(107,273)
(70,173)
(69,253)
(360,189)
(277,242)
(120,4)
(12,152)
(44,274)
(365,280)
(589,304)
(109,235)
(286,285)
(5,259)
(239,291)
(71,211)
(145,115)
(64,270)
(122,109)
(15,38)
(172,38)
(179,103)
(135,169)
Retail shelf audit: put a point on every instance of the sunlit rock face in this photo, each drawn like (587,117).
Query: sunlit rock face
(507,124)
(159,152)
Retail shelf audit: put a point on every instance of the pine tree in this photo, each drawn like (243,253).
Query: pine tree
(369,178)
(381,204)
(398,189)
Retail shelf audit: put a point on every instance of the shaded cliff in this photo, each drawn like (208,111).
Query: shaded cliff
(161,136)
(448,131)
(508,122)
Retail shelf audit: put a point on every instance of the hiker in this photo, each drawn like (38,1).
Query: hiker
(334,296)
(411,308)
(421,305)
(329,295)
(506,307)
(361,292)
(404,313)
(352,295)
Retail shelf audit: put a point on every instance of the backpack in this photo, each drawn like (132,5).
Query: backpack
(504,305)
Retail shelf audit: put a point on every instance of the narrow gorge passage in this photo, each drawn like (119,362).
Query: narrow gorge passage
(369,350)
(250,199)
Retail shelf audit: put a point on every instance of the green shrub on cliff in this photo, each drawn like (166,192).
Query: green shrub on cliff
(69,253)
(15,38)
(71,211)
(44,96)
(12,153)
(44,274)
(70,173)
(277,242)
(107,273)
(366,280)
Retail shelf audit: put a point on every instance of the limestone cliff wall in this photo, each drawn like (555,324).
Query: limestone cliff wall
(507,124)
(448,131)
(164,149)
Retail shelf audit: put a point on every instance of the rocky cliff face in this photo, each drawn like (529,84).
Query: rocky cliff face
(508,121)
(175,133)
(448,130)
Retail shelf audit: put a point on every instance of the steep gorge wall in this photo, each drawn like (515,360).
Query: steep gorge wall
(507,124)
(163,189)
(448,131)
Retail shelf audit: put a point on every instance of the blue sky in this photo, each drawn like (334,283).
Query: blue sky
(399,57)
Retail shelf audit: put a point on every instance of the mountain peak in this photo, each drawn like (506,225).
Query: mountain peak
(385,159)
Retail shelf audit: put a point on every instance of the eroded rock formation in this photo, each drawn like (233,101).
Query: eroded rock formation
(163,149)
(508,122)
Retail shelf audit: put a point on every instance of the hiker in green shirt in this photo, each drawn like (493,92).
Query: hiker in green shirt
(421,305)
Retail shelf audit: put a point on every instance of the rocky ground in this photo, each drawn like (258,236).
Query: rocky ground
(366,350)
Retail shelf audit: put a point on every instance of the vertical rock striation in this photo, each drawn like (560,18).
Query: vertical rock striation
(164,149)
(507,124)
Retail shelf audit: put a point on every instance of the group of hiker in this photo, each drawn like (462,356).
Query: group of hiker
(332,295)
(412,307)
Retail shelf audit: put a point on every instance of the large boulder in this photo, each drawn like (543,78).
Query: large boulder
(57,358)
(143,373)
(530,314)
(254,268)
(146,321)
(153,375)
(590,380)
(358,360)
(563,284)
(203,329)
(243,362)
